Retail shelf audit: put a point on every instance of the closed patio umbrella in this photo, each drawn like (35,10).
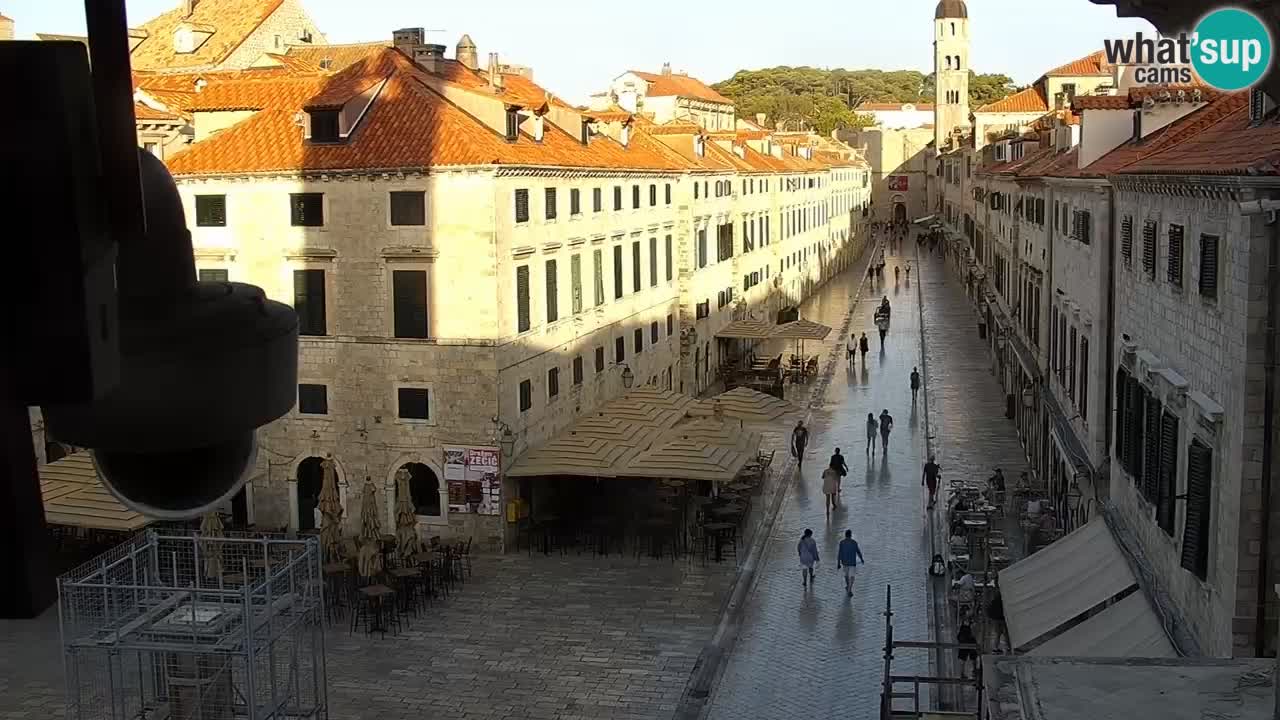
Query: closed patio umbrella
(370,541)
(210,528)
(407,544)
(331,512)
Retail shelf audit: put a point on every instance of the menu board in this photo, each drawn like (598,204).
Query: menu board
(471,474)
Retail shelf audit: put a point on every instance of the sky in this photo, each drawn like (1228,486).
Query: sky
(575,49)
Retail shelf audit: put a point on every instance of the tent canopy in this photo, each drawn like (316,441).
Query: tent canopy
(1127,629)
(1065,580)
(801,330)
(747,406)
(746,330)
(74,496)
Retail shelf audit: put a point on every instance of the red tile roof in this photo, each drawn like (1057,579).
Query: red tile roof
(1023,101)
(1094,63)
(339,57)
(661,85)
(146,112)
(1136,95)
(1218,140)
(1102,102)
(232,21)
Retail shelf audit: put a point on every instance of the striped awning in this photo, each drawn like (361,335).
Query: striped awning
(746,330)
(801,330)
(74,496)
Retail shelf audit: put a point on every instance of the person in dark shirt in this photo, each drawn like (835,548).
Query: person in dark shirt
(915,384)
(995,613)
(799,439)
(965,636)
(930,478)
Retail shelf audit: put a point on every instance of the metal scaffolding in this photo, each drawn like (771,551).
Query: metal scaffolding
(191,627)
(889,709)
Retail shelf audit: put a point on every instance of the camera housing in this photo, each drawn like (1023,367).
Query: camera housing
(202,366)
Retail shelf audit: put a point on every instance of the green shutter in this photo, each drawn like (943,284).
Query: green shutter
(1151,449)
(1168,472)
(1195,532)
(522,299)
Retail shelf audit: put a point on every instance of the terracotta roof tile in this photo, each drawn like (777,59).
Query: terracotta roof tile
(661,85)
(146,112)
(1218,139)
(232,20)
(1094,63)
(1102,102)
(339,57)
(1028,100)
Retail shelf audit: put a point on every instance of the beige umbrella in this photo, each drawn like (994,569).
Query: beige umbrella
(211,527)
(370,540)
(407,544)
(331,512)
(801,330)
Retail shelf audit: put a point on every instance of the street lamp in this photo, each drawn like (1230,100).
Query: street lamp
(504,437)
(628,377)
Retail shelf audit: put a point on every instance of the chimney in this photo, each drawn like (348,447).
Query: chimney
(188,7)
(406,39)
(666,68)
(465,53)
(625,137)
(428,57)
(495,73)
(539,126)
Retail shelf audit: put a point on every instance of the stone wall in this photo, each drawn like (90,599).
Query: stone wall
(286,26)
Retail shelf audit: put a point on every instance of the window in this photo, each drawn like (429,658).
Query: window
(553,292)
(653,195)
(1195,533)
(635,266)
(667,193)
(1126,240)
(575,283)
(702,310)
(597,199)
(1175,255)
(702,248)
(575,201)
(1071,382)
(1082,401)
(724,242)
(306,209)
(597,269)
(1167,490)
(1209,267)
(653,333)
(309,301)
(324,126)
(313,399)
(523,319)
(413,403)
(213,275)
(1082,229)
(211,211)
(1062,350)
(696,192)
(1122,416)
(408,207)
(600,359)
(522,205)
(1151,447)
(409,303)
(424,490)
(553,383)
(617,272)
(577,370)
(617,197)
(619,349)
(671,324)
(513,125)
(1135,407)
(638,341)
(1149,248)
(653,262)
(667,256)
(550,203)
(635,197)
(526,395)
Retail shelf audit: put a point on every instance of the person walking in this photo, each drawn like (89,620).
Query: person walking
(886,426)
(965,636)
(872,426)
(799,439)
(830,486)
(896,271)
(808,551)
(930,478)
(864,345)
(882,324)
(852,347)
(847,559)
(841,467)
(908,271)
(915,384)
(995,613)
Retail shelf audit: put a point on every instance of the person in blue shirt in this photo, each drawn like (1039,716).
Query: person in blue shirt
(847,559)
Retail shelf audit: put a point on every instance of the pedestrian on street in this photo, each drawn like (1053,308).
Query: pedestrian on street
(882,324)
(965,636)
(915,384)
(864,346)
(799,439)
(830,486)
(847,559)
(930,478)
(841,467)
(808,550)
(896,270)
(995,613)
(852,347)
(886,426)
(871,434)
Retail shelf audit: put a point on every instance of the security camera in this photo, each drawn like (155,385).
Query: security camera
(203,365)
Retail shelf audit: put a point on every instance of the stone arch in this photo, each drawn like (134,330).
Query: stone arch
(389,488)
(292,482)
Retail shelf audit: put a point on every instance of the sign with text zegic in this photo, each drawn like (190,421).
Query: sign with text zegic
(471,473)
(899,183)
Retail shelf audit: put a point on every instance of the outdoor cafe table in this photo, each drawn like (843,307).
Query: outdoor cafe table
(716,531)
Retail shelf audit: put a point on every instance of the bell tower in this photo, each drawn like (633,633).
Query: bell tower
(950,68)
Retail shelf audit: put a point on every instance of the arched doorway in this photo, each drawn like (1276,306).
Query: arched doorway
(424,490)
(899,212)
(307,489)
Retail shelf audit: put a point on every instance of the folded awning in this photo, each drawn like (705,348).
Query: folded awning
(1067,579)
(74,496)
(1129,628)
(924,220)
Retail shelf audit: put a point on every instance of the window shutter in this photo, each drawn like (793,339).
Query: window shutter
(1149,248)
(575,201)
(522,205)
(575,282)
(1082,399)
(597,269)
(409,303)
(1122,417)
(617,272)
(596,199)
(211,211)
(1133,439)
(577,370)
(635,265)
(1126,239)
(1195,533)
(1168,472)
(553,382)
(309,301)
(522,298)
(1175,255)
(1209,266)
(1151,449)
(653,262)
(553,292)
(408,207)
(1071,367)
(600,359)
(667,257)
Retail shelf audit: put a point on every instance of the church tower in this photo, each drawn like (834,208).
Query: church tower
(950,68)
